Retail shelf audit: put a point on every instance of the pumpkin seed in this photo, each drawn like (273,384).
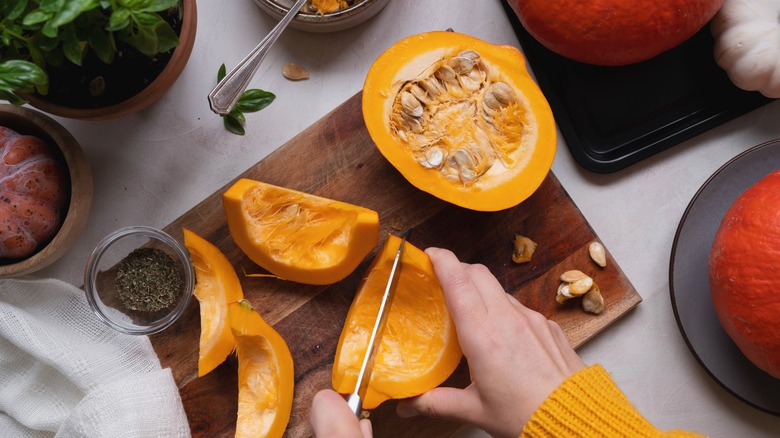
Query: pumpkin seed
(592,301)
(597,253)
(454,104)
(294,72)
(572,276)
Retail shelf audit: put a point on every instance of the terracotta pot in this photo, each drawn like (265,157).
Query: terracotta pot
(148,95)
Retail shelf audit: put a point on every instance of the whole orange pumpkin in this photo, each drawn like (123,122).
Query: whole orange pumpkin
(744,269)
(613,32)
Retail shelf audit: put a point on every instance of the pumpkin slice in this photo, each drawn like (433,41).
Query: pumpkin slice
(461,119)
(419,348)
(216,285)
(299,236)
(265,374)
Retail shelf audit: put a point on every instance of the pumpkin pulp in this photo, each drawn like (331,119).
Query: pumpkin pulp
(744,274)
(461,119)
(265,374)
(419,348)
(217,286)
(299,236)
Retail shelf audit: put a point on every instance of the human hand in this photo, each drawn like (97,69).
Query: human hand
(331,417)
(516,356)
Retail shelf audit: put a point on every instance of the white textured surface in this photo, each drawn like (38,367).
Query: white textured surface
(151,167)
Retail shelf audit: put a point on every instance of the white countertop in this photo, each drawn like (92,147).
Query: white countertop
(151,167)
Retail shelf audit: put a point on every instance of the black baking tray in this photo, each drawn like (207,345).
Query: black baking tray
(612,117)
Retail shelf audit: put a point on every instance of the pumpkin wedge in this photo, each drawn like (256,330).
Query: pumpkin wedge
(419,348)
(216,285)
(298,236)
(461,119)
(265,374)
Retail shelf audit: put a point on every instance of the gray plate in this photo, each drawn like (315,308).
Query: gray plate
(689,279)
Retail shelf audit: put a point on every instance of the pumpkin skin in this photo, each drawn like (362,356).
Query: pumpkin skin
(744,270)
(613,32)
(500,188)
(34,192)
(419,348)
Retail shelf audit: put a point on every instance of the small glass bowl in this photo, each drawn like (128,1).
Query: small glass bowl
(100,278)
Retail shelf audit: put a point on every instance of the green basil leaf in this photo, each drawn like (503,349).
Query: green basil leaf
(147,19)
(119,19)
(102,44)
(166,38)
(72,48)
(238,115)
(254,100)
(51,5)
(45,43)
(221,73)
(17,75)
(233,125)
(12,98)
(36,17)
(160,5)
(71,10)
(12,9)
(145,41)
(50,29)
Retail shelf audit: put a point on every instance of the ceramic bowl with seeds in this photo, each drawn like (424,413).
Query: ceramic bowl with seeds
(139,280)
(322,16)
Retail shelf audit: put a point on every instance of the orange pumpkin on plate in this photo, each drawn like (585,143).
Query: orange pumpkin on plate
(744,269)
(34,193)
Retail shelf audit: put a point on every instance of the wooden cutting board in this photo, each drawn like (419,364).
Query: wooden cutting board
(336,158)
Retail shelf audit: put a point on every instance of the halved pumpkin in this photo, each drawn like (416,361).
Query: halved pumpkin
(299,236)
(217,285)
(419,348)
(266,376)
(461,119)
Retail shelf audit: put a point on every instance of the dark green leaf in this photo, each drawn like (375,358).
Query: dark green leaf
(102,44)
(221,73)
(166,38)
(45,43)
(72,48)
(119,19)
(51,5)
(37,16)
(238,115)
(161,5)
(145,41)
(72,9)
(11,98)
(147,19)
(12,9)
(50,29)
(233,125)
(254,100)
(20,75)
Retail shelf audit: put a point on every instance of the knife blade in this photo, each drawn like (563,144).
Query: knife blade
(355,399)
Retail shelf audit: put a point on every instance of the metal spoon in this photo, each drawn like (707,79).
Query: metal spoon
(224,96)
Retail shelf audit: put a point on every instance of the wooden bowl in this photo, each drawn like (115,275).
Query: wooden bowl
(30,122)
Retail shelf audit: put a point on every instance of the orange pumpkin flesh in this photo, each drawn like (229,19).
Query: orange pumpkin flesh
(299,236)
(474,131)
(217,286)
(613,32)
(419,347)
(744,269)
(266,376)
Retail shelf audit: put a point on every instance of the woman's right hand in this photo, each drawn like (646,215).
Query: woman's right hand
(516,356)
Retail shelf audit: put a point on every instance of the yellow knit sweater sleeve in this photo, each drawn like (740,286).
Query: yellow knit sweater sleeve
(589,404)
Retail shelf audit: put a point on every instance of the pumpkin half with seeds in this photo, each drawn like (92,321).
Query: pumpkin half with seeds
(461,119)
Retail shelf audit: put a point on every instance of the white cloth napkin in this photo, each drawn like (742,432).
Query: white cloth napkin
(63,373)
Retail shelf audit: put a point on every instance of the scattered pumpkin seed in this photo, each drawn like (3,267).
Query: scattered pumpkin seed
(597,253)
(294,72)
(592,301)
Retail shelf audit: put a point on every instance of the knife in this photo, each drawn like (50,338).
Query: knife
(355,399)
